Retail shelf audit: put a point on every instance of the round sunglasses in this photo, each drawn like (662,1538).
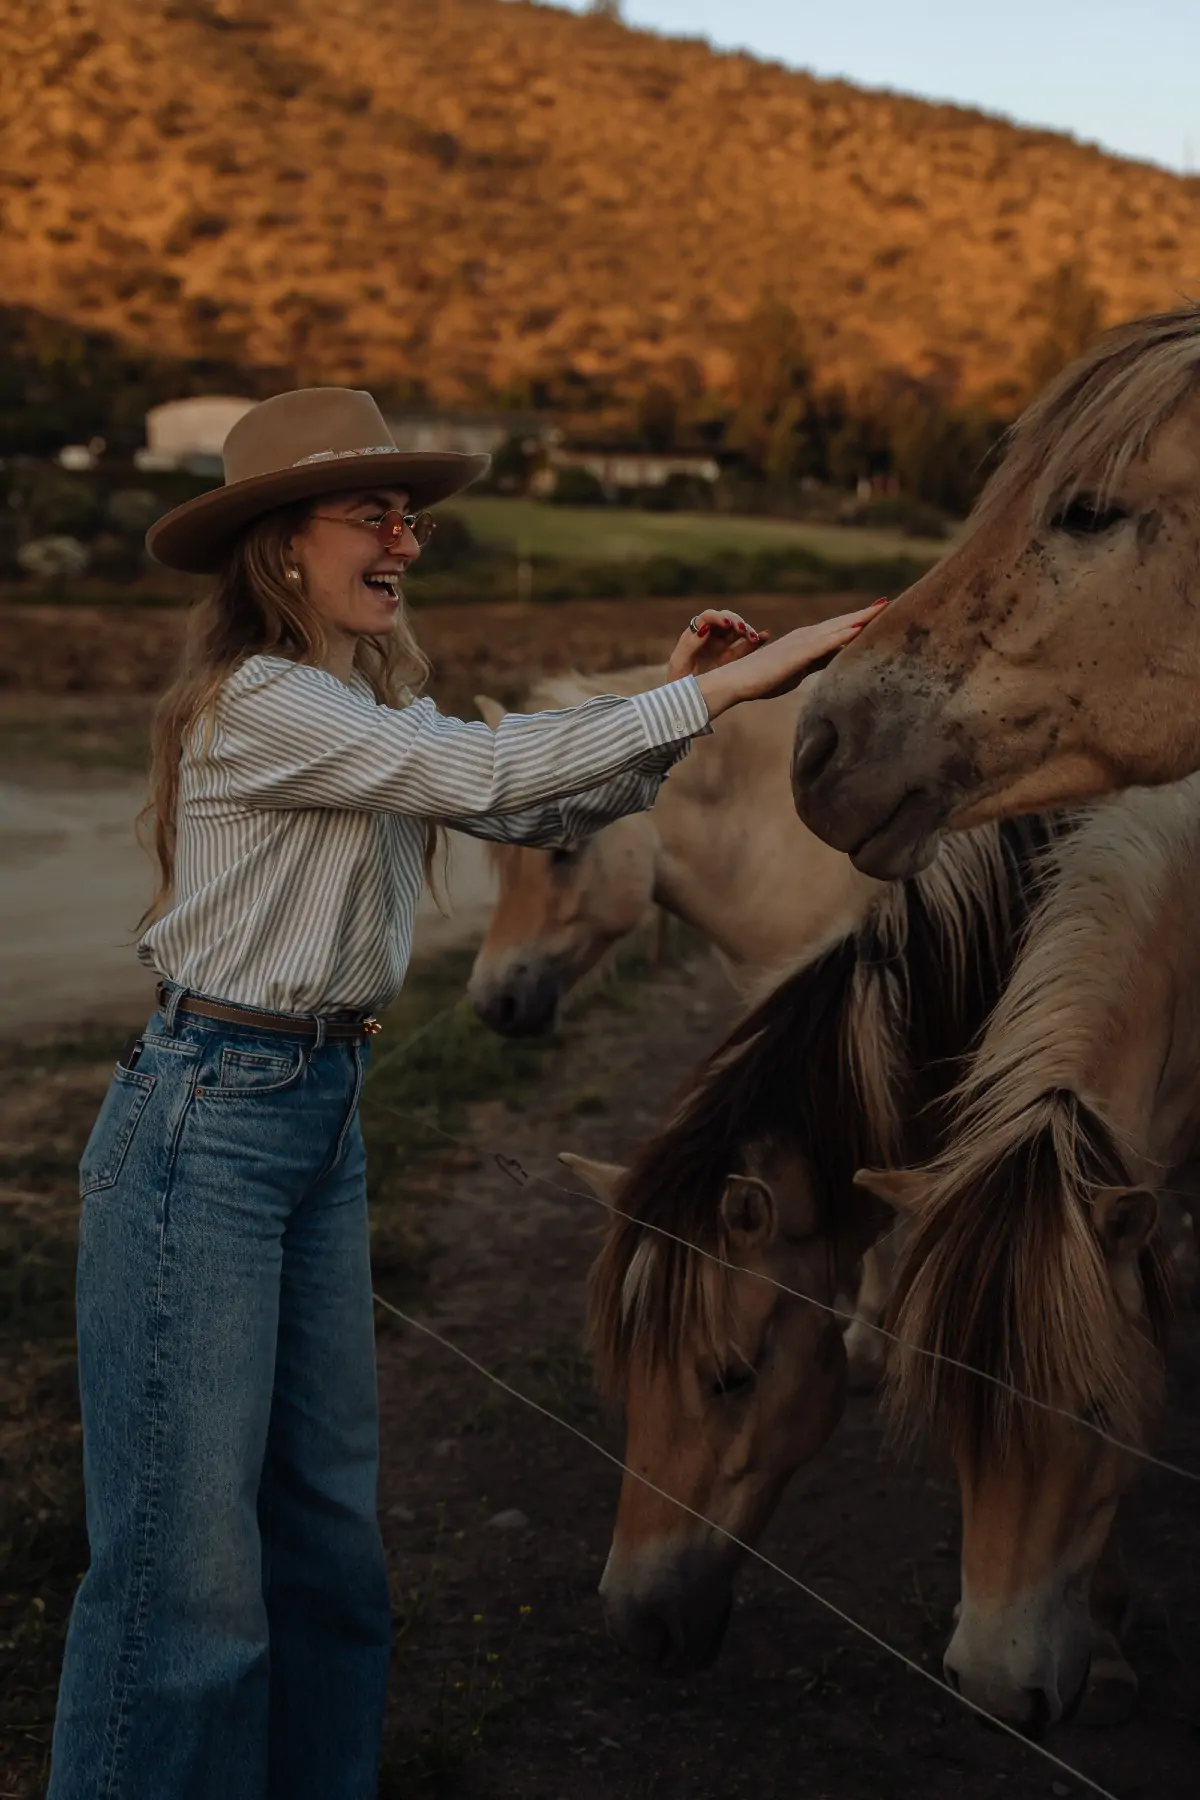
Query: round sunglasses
(390,527)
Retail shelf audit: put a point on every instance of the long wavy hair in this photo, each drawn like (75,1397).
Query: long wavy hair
(253,609)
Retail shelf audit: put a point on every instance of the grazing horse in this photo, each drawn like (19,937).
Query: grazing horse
(1038,1258)
(721,849)
(730,1384)
(1053,655)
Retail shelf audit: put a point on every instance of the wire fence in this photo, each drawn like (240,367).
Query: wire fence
(511,1167)
(811,1593)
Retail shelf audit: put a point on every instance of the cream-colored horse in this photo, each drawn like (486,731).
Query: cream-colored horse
(1040,1252)
(1053,655)
(729,1383)
(721,849)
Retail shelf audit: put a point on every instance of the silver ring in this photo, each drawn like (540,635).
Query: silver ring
(693,627)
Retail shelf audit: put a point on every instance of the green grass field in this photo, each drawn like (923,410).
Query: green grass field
(599,533)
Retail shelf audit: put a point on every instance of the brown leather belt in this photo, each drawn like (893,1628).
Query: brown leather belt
(264,1021)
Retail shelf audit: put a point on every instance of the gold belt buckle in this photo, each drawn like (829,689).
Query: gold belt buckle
(371,1026)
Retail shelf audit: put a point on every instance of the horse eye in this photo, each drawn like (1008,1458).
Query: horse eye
(733,1381)
(1084,517)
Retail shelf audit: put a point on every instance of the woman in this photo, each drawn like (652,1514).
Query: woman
(230,1638)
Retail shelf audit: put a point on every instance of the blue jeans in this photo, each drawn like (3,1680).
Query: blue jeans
(230,1638)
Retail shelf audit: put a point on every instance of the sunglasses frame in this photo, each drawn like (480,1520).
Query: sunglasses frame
(389,527)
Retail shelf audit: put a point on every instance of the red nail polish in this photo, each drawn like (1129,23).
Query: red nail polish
(703,632)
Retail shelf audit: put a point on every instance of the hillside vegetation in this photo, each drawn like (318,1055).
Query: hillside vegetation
(461,199)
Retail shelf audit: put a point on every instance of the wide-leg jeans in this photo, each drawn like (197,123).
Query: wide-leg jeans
(230,1638)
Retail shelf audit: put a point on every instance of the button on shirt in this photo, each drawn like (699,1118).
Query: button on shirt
(300,852)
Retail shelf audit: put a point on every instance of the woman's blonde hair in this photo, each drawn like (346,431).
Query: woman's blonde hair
(252,609)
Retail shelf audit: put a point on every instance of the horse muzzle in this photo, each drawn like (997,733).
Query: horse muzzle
(521,1001)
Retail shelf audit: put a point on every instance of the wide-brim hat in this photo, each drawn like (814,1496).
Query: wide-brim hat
(294,447)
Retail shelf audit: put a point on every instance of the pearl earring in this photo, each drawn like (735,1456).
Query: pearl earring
(293,574)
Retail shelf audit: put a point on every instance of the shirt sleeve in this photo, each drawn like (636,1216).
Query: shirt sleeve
(294,736)
(561,822)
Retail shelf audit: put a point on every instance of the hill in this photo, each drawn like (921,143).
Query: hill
(469,198)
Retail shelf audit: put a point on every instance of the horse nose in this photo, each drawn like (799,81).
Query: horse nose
(524,1004)
(816,747)
(1030,1709)
(1037,1712)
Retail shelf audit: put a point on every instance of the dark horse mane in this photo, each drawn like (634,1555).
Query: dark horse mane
(846,1061)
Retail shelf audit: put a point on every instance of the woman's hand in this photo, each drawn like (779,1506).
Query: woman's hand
(712,639)
(778,668)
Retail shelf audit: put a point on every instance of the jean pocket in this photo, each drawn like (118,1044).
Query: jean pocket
(106,1149)
(245,1073)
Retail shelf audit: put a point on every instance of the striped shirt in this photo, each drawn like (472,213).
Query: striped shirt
(300,850)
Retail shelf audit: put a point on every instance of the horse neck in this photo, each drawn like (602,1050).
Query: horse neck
(1099,1003)
(735,862)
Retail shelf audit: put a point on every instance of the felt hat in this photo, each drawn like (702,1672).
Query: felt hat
(294,447)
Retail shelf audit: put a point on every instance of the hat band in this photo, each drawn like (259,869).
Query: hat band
(337,455)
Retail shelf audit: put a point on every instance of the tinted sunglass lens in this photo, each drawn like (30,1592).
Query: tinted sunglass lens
(423,527)
(391,530)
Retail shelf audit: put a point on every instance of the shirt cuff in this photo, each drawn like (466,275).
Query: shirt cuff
(673,712)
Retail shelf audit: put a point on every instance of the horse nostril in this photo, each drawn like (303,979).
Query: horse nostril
(815,750)
(1039,1712)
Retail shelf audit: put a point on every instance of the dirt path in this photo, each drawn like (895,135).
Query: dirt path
(797,1705)
(76,881)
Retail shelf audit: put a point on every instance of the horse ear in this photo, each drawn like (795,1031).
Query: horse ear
(490,711)
(747,1210)
(901,1190)
(604,1179)
(1123,1219)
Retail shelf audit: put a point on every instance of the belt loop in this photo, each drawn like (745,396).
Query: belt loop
(320,1037)
(171,1008)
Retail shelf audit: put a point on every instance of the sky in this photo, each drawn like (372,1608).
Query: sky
(1121,73)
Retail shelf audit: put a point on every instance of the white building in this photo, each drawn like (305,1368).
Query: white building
(470,434)
(190,433)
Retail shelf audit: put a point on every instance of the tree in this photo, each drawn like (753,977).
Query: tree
(777,423)
(606,9)
(658,417)
(1072,315)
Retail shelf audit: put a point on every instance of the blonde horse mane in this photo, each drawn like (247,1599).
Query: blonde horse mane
(570,688)
(1098,416)
(1004,1271)
(836,1065)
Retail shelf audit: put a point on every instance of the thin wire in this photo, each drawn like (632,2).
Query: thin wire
(389,1056)
(750,1550)
(508,1165)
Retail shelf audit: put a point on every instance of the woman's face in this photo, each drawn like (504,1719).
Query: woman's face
(347,576)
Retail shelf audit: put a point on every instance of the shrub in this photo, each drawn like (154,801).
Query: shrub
(678,493)
(451,545)
(53,558)
(577,487)
(900,512)
(134,510)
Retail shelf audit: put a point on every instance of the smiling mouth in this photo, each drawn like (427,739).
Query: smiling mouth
(385,584)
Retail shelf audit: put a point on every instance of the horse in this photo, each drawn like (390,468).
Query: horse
(1038,1255)
(721,849)
(1053,655)
(729,1383)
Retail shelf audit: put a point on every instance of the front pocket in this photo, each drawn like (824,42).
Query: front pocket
(243,1073)
(104,1154)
